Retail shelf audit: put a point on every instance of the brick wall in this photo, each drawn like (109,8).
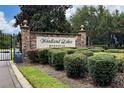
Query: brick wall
(29,38)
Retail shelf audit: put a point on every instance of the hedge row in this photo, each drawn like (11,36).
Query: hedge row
(120,64)
(56,59)
(33,55)
(115,50)
(40,56)
(78,62)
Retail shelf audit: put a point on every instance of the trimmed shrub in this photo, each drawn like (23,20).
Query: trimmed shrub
(87,53)
(75,65)
(120,63)
(71,51)
(58,59)
(73,47)
(50,56)
(68,50)
(82,49)
(43,56)
(115,50)
(96,50)
(33,55)
(102,69)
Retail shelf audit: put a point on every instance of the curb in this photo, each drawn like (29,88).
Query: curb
(22,80)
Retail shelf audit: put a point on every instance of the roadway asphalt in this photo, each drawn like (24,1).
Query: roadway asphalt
(7,76)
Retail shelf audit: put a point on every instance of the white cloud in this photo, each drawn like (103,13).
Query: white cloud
(114,7)
(111,8)
(72,10)
(7,27)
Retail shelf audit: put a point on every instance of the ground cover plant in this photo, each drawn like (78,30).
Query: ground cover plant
(40,79)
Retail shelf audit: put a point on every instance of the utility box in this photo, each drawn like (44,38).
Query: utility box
(18,57)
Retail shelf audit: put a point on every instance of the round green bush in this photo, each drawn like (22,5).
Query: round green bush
(87,53)
(120,63)
(102,69)
(71,51)
(75,65)
(50,57)
(58,59)
(33,55)
(43,56)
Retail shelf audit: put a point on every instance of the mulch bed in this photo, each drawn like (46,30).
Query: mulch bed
(86,82)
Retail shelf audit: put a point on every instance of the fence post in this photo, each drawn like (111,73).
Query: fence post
(11,47)
(14,46)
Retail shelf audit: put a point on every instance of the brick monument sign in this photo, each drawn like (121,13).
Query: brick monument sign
(36,40)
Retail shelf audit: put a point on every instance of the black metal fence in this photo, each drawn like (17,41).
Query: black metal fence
(6,47)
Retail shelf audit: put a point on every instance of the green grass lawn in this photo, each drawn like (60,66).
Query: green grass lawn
(40,79)
(117,55)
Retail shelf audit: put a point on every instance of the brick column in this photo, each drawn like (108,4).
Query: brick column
(82,34)
(83,38)
(25,37)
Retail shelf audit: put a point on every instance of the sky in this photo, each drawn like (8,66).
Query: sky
(7,13)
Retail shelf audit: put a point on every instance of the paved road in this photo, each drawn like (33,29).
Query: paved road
(7,76)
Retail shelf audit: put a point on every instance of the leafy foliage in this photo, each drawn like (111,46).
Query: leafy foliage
(58,59)
(115,50)
(33,56)
(45,18)
(102,69)
(87,53)
(43,56)
(5,40)
(120,63)
(75,65)
(98,23)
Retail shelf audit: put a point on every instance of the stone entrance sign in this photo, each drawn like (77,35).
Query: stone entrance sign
(34,40)
(55,42)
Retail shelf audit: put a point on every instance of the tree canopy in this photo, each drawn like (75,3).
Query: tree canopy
(98,22)
(50,18)
(5,40)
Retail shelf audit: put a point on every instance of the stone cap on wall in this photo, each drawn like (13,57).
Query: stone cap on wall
(53,33)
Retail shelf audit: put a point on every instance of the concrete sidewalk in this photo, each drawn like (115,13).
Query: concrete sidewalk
(7,76)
